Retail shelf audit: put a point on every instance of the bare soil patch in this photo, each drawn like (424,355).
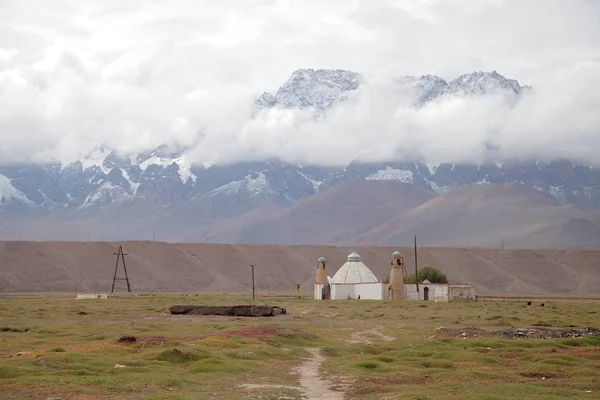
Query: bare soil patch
(378,384)
(267,332)
(467,332)
(361,337)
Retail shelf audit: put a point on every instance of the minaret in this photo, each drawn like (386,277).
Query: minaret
(321,271)
(397,276)
(321,278)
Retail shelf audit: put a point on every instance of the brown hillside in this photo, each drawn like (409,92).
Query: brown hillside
(490,216)
(330,216)
(154,266)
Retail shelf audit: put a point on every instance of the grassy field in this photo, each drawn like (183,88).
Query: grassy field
(59,347)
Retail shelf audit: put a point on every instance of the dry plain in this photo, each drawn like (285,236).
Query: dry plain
(53,346)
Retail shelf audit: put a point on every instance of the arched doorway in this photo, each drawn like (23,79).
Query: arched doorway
(426,293)
(327,291)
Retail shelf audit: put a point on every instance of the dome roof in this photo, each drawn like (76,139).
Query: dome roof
(397,254)
(322,260)
(354,257)
(354,271)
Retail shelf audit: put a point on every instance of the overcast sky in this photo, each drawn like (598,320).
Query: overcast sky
(133,74)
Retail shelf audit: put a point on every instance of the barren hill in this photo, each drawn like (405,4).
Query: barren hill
(156,266)
(357,212)
(331,216)
(492,216)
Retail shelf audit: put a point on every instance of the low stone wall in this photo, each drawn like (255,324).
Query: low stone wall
(461,293)
(90,296)
(238,311)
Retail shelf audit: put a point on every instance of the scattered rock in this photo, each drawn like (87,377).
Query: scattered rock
(517,333)
(532,333)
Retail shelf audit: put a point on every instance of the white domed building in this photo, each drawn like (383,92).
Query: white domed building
(354,280)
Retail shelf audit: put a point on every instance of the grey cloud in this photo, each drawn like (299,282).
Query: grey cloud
(133,75)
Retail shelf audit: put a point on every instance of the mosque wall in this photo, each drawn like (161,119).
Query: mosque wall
(370,291)
(367,291)
(440,294)
(410,292)
(342,291)
(436,292)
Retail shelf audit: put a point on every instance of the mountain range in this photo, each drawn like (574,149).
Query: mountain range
(161,194)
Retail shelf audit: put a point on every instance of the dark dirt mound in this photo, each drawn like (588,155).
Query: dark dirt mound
(238,311)
(151,341)
(127,339)
(14,330)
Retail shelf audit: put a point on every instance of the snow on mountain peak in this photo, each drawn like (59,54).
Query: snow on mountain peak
(96,157)
(482,83)
(164,159)
(424,88)
(319,88)
(252,185)
(9,192)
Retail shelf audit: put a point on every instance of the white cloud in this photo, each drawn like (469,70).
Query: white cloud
(132,75)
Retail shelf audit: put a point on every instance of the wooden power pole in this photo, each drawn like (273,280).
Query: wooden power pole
(120,255)
(417,269)
(253,292)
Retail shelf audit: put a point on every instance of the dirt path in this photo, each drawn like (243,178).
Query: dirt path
(312,386)
(360,337)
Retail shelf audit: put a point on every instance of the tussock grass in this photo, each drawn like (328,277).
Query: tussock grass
(59,345)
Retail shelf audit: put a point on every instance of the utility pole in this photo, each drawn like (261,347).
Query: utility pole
(253,292)
(417,270)
(121,255)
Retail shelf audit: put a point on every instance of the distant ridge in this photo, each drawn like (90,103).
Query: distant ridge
(492,216)
(155,266)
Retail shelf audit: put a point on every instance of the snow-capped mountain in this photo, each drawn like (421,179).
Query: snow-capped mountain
(313,88)
(482,83)
(320,89)
(167,177)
